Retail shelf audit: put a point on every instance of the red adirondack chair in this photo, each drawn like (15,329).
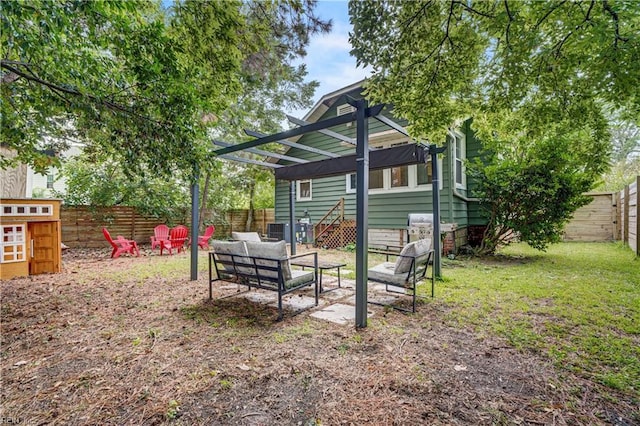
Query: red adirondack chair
(121,245)
(160,233)
(203,240)
(177,239)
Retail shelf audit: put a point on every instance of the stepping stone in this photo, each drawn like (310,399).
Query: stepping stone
(339,314)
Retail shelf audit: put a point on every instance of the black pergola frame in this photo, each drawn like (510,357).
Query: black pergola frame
(361,163)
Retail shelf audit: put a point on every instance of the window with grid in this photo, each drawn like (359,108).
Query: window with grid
(13,247)
(303,190)
(459,145)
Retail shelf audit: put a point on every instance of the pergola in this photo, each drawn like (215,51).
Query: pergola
(360,163)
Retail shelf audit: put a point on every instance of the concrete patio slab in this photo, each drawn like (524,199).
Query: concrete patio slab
(339,313)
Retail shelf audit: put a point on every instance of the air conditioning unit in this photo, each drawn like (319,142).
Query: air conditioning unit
(279,231)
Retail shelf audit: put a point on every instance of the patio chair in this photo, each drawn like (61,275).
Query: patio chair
(160,233)
(403,275)
(203,240)
(121,245)
(176,241)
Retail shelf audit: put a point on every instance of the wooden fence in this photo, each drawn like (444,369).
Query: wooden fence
(597,221)
(610,216)
(82,226)
(629,224)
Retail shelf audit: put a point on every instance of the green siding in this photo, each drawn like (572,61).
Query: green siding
(386,211)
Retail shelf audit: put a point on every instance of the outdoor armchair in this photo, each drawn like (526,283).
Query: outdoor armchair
(176,241)
(121,245)
(160,233)
(403,275)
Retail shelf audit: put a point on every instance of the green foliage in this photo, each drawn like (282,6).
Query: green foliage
(625,156)
(441,61)
(100,181)
(535,76)
(531,188)
(128,79)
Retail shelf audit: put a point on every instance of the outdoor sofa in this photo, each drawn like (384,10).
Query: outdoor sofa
(263,265)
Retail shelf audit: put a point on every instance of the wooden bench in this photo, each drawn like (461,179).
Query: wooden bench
(263,265)
(403,275)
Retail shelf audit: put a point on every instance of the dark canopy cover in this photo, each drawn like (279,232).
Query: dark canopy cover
(378,159)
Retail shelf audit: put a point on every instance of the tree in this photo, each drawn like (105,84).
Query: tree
(144,86)
(534,76)
(625,155)
(125,77)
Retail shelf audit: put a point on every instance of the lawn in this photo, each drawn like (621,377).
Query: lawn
(523,338)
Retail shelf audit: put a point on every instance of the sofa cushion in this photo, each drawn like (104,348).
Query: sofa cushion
(384,272)
(222,250)
(267,250)
(298,278)
(246,236)
(417,250)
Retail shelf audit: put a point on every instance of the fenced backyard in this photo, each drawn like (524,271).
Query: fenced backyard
(523,338)
(82,226)
(611,216)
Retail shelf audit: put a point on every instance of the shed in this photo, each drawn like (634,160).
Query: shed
(31,237)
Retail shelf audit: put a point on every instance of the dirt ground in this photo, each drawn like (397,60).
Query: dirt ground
(154,350)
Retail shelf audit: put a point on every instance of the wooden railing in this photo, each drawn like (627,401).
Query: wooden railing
(334,216)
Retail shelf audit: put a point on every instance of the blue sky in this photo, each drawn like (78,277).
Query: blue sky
(328,60)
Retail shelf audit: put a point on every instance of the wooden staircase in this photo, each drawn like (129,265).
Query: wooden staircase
(333,230)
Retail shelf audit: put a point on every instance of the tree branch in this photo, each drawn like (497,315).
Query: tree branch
(472,10)
(616,20)
(546,15)
(511,19)
(60,90)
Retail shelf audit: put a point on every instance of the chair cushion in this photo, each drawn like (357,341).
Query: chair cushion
(412,250)
(246,236)
(276,251)
(384,272)
(299,277)
(223,248)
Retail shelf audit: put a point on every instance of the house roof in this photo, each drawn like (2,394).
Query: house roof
(328,100)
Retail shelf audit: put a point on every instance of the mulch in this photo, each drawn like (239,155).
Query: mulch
(94,345)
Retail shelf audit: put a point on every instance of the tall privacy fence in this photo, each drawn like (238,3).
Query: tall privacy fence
(611,216)
(82,226)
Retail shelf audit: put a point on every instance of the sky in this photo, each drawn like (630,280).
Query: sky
(328,60)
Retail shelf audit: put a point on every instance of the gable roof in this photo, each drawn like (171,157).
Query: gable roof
(328,100)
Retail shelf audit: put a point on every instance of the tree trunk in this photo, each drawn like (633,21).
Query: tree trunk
(252,192)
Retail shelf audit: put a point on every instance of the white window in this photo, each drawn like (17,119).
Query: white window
(50,181)
(303,190)
(418,177)
(460,154)
(13,246)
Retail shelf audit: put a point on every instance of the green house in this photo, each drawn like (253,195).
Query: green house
(394,193)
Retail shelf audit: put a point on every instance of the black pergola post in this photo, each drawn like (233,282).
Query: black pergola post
(434,151)
(362,210)
(292,216)
(195,219)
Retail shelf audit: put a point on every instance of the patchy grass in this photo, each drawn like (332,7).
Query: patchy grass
(135,341)
(577,303)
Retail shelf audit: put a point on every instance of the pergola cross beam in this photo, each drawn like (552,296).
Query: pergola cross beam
(265,153)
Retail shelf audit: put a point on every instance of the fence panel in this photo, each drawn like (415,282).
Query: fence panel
(82,225)
(633,225)
(594,222)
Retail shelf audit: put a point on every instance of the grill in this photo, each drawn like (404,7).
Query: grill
(419,226)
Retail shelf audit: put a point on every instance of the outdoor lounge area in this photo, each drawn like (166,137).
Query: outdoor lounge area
(133,341)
